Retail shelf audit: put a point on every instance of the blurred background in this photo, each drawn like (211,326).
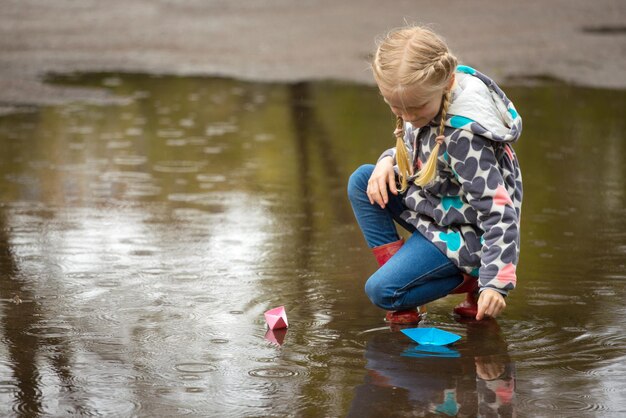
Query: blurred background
(169,170)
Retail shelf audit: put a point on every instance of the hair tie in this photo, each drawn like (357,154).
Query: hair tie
(398,132)
(440,139)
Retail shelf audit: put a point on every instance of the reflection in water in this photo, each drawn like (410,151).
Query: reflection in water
(276,336)
(146,239)
(474,377)
(21,348)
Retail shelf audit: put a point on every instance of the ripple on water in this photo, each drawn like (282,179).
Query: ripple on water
(543,342)
(273,372)
(106,343)
(211,178)
(561,403)
(25,405)
(142,190)
(548,299)
(126,176)
(142,253)
(102,406)
(195,390)
(108,283)
(178,166)
(185,277)
(51,329)
(6,386)
(154,271)
(99,377)
(195,368)
(108,317)
(130,160)
(189,377)
(204,299)
(27,409)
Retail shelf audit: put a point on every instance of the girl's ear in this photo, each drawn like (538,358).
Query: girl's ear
(451,82)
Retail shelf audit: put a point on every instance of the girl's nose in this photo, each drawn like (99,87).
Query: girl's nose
(405,116)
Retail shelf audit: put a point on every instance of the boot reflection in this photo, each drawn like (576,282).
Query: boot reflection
(474,377)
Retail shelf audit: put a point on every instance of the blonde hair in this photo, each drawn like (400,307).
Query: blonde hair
(409,57)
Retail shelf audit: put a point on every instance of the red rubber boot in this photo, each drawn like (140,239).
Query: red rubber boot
(384,252)
(405,317)
(469,307)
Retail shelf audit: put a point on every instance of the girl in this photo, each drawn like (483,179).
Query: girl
(453,180)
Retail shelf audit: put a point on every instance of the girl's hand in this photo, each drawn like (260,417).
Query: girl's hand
(490,303)
(489,367)
(382,176)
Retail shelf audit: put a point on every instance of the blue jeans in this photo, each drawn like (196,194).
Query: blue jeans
(419,272)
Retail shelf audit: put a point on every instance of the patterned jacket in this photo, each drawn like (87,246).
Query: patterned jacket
(471,211)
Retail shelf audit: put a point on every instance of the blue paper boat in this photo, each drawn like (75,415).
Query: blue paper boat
(431,336)
(431,351)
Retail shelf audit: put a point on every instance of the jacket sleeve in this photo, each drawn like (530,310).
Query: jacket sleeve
(391,152)
(474,163)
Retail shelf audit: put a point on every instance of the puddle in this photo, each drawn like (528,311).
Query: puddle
(147,238)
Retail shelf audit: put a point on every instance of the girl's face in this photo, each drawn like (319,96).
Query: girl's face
(412,105)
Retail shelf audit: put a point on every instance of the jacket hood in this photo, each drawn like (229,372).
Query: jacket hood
(481,107)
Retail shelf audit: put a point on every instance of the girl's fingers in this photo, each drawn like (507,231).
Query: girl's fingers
(382,187)
(498,309)
(490,304)
(373,193)
(489,310)
(482,311)
(392,183)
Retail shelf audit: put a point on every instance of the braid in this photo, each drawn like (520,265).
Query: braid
(427,173)
(444,111)
(402,154)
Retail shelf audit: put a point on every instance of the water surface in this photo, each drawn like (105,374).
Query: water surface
(141,241)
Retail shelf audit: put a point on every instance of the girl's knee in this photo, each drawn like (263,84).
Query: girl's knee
(376,292)
(357,184)
(371,291)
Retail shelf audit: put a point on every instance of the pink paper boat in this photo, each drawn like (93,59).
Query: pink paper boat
(276,318)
